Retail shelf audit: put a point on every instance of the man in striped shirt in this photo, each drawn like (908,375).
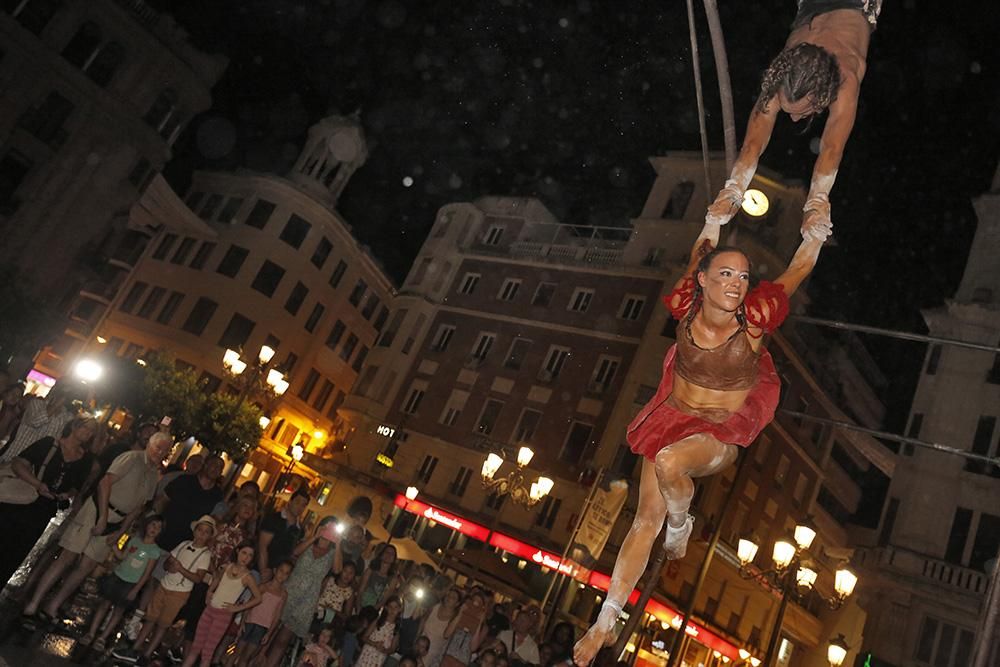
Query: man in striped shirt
(43,417)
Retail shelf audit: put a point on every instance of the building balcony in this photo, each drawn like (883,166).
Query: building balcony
(923,569)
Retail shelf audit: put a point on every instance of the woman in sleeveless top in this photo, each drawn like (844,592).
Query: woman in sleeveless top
(380,580)
(435,623)
(821,67)
(718,391)
(227,586)
(382,637)
(316,557)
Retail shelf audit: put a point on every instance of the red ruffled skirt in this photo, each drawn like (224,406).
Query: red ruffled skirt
(665,420)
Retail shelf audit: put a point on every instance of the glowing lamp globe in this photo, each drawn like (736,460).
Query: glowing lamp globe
(755,203)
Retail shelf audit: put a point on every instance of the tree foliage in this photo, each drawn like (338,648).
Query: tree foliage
(220,421)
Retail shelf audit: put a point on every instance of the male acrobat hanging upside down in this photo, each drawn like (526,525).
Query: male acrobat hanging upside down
(718,391)
(821,67)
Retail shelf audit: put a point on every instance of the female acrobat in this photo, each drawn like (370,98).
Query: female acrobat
(718,391)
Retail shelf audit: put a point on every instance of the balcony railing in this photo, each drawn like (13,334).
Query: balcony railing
(913,564)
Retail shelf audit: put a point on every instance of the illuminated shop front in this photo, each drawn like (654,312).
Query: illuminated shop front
(661,612)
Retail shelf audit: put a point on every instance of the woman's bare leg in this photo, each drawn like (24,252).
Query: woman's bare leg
(697,455)
(665,488)
(629,566)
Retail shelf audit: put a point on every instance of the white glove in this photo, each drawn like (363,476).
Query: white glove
(726,204)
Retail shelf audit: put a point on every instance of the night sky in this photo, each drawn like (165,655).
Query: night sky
(565,101)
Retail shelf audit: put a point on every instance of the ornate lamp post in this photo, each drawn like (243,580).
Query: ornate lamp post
(793,574)
(514,484)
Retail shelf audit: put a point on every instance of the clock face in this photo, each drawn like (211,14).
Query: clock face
(755,203)
(344,146)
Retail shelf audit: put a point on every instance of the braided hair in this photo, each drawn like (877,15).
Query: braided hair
(703,265)
(802,70)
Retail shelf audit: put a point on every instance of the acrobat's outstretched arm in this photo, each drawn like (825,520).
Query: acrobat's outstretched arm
(757,137)
(843,111)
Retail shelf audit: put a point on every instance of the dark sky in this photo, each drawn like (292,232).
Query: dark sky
(566,100)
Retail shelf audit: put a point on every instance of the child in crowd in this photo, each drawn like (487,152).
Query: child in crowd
(466,631)
(260,622)
(120,588)
(337,598)
(354,631)
(382,637)
(222,603)
(421,647)
(320,653)
(185,566)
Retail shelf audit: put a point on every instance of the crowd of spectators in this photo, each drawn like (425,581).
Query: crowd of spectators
(188,572)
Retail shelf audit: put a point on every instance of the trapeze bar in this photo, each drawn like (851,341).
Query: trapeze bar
(847,326)
(892,436)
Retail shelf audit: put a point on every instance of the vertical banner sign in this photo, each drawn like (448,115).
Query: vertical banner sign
(596,525)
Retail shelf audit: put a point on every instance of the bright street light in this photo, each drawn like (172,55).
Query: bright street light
(88,370)
(411,492)
(524,456)
(836,652)
(266,354)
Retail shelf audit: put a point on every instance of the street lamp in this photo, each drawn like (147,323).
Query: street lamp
(793,574)
(88,370)
(256,377)
(836,652)
(514,484)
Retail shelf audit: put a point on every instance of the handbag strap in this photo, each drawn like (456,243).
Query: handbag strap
(45,461)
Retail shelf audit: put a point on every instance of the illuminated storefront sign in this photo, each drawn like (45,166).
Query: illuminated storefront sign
(534,554)
(473,530)
(387,431)
(549,560)
(385,460)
